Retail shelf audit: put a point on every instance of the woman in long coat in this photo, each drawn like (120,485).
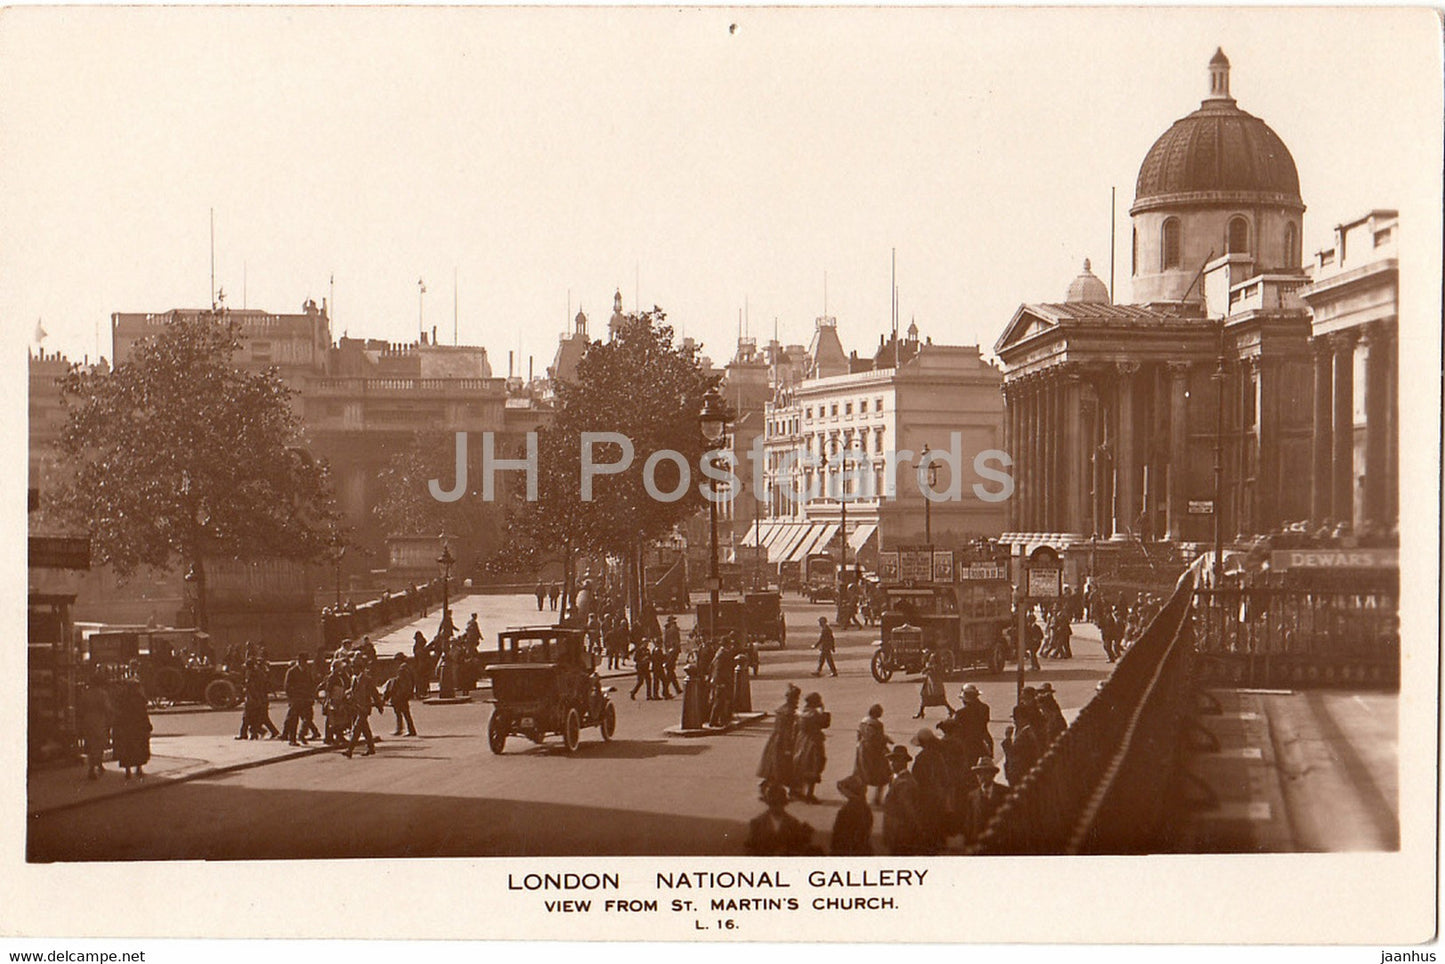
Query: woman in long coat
(870,763)
(809,758)
(93,715)
(776,768)
(131,729)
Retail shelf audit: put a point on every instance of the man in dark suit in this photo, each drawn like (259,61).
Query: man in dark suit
(300,693)
(973,717)
(985,798)
(902,817)
(777,833)
(825,647)
(403,686)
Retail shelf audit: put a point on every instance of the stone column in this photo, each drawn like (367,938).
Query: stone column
(1376,426)
(1126,461)
(1178,448)
(1036,469)
(1010,411)
(1322,446)
(1344,437)
(1268,501)
(1392,447)
(1024,455)
(1051,454)
(1076,468)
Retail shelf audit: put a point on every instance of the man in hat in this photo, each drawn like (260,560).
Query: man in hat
(935,789)
(986,797)
(777,833)
(825,647)
(973,716)
(300,689)
(1053,717)
(853,828)
(1021,746)
(902,819)
(403,687)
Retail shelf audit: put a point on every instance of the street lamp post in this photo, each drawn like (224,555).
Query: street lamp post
(712,421)
(927,502)
(446,561)
(337,551)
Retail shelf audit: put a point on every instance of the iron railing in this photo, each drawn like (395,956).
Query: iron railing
(1101,787)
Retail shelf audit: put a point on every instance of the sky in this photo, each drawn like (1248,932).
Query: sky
(716,163)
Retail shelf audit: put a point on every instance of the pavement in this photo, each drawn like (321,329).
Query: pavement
(1279,771)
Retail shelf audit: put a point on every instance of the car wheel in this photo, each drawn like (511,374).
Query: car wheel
(572,730)
(882,672)
(169,683)
(609,721)
(221,693)
(496,734)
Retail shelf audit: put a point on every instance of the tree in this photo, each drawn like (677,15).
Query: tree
(643,386)
(177,456)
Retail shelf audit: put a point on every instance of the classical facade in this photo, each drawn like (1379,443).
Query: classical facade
(1187,414)
(1354,297)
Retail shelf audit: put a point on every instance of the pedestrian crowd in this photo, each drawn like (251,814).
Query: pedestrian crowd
(940,793)
(114,714)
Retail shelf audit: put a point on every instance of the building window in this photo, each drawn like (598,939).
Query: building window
(1134,256)
(1171,244)
(1381,237)
(863,403)
(877,404)
(809,412)
(834,410)
(1237,239)
(847,408)
(878,441)
(1291,246)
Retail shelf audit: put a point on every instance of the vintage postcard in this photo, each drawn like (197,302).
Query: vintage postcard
(724,474)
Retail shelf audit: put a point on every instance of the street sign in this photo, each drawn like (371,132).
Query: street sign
(59,552)
(1045,583)
(1281,559)
(983,570)
(915,564)
(1201,507)
(712,584)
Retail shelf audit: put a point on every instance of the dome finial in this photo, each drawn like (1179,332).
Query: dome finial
(1087,267)
(1218,76)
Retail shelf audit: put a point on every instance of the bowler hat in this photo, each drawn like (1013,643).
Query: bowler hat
(851,786)
(1046,687)
(899,752)
(986,763)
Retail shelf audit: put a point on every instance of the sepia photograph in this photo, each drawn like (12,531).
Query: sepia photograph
(674,450)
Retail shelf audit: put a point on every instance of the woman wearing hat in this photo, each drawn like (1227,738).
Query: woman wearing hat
(853,828)
(932,692)
(809,757)
(870,763)
(776,768)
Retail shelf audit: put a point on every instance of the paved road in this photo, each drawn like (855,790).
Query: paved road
(445,794)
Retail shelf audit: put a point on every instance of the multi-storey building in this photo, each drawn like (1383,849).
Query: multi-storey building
(854,431)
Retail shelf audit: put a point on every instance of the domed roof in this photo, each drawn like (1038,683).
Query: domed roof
(1087,289)
(1218,149)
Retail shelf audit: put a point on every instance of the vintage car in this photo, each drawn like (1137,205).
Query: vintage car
(166,665)
(543,683)
(756,618)
(962,623)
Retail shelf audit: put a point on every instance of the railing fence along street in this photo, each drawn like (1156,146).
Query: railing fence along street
(1103,787)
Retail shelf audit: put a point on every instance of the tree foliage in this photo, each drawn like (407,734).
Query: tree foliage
(178,455)
(644,386)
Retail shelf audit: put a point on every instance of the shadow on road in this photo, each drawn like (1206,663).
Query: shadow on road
(616,750)
(216,822)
